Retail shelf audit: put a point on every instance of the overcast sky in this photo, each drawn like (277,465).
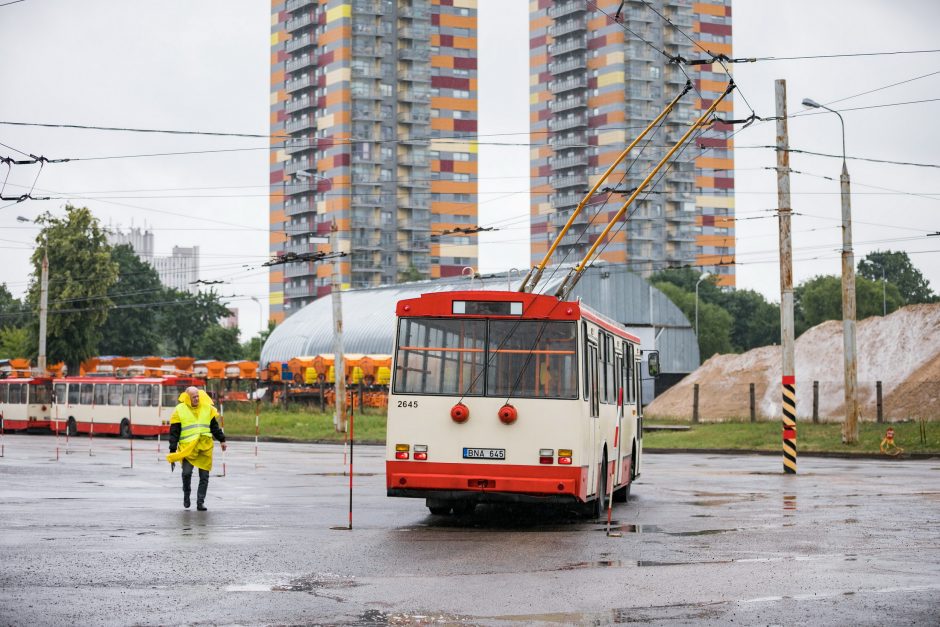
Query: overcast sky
(175,64)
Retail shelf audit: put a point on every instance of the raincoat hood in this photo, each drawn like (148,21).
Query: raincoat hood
(203,398)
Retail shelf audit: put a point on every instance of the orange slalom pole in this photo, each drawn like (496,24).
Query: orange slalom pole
(91,433)
(130,430)
(57,432)
(222,424)
(352,414)
(257,424)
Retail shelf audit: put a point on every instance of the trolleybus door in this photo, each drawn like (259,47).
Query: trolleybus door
(593,413)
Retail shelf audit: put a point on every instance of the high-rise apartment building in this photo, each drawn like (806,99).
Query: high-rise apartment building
(594,85)
(373,120)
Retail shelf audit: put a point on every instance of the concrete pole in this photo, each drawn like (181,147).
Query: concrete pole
(43,313)
(339,369)
(787,329)
(850,427)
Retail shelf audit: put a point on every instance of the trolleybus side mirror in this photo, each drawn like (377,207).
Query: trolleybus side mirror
(653,363)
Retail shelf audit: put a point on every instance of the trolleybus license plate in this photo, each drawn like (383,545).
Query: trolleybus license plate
(484,453)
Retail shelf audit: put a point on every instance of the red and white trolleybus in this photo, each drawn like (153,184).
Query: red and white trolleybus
(511,397)
(118,405)
(25,403)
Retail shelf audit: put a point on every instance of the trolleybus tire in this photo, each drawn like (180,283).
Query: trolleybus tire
(71,427)
(621,495)
(125,428)
(439,507)
(464,507)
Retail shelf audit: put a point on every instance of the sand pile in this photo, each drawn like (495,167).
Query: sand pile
(901,350)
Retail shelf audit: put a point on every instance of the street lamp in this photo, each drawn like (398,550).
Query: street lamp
(704,276)
(850,427)
(260,314)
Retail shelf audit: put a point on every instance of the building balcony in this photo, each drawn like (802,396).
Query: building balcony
(300,144)
(415,76)
(366,94)
(414,54)
(300,291)
(573,121)
(570,199)
(293,126)
(362,28)
(367,51)
(296,23)
(572,180)
(577,160)
(366,200)
(559,29)
(299,269)
(559,142)
(414,33)
(568,65)
(367,71)
(416,245)
(414,160)
(299,83)
(414,95)
(306,227)
(298,208)
(415,13)
(568,45)
(300,248)
(366,263)
(367,6)
(566,104)
(298,63)
(366,243)
(298,104)
(366,111)
(569,84)
(297,43)
(292,167)
(293,5)
(561,9)
(414,117)
(415,183)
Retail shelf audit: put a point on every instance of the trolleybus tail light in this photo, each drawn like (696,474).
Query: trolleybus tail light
(508,414)
(401,451)
(546,456)
(564,456)
(421,452)
(459,413)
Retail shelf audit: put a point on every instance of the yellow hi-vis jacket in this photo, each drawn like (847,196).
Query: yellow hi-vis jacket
(195,443)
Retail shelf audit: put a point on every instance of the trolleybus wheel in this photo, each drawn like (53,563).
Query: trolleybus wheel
(621,495)
(464,507)
(71,428)
(125,428)
(439,507)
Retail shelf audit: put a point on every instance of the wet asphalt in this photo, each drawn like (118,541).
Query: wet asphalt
(705,539)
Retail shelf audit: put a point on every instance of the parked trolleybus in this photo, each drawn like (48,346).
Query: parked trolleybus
(118,405)
(25,403)
(512,397)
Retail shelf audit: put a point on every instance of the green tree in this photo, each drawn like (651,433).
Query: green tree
(184,317)
(218,342)
(820,298)
(898,270)
(12,311)
(81,272)
(686,278)
(755,321)
(251,349)
(131,329)
(16,342)
(715,324)
(411,274)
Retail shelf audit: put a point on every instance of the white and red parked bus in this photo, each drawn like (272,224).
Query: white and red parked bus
(512,397)
(25,403)
(124,406)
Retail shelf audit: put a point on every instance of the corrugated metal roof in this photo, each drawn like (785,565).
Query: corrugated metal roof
(369,314)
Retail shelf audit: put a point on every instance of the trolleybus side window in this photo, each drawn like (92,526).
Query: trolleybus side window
(87,394)
(531,358)
(587,355)
(130,394)
(437,356)
(618,377)
(628,377)
(592,379)
(4,392)
(143,395)
(14,397)
(60,393)
(155,396)
(114,394)
(171,395)
(40,394)
(101,394)
(73,393)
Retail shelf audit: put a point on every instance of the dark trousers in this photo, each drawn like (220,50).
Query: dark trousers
(188,480)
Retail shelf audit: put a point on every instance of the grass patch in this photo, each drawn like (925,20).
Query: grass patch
(766,436)
(301,424)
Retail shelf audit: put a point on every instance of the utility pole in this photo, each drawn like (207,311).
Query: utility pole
(850,429)
(43,311)
(787,331)
(339,370)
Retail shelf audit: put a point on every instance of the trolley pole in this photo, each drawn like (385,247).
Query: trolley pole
(787,332)
(339,369)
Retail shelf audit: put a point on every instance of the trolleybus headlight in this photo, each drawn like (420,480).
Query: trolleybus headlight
(421,452)
(508,414)
(546,456)
(460,413)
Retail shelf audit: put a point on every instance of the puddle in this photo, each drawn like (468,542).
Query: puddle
(632,528)
(378,617)
(599,564)
(703,532)
(310,584)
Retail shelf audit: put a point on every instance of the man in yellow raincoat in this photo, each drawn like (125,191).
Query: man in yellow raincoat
(192,427)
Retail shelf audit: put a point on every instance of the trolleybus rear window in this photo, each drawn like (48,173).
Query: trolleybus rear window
(522,358)
(40,394)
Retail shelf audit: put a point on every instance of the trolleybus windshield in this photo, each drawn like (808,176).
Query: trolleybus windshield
(521,358)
